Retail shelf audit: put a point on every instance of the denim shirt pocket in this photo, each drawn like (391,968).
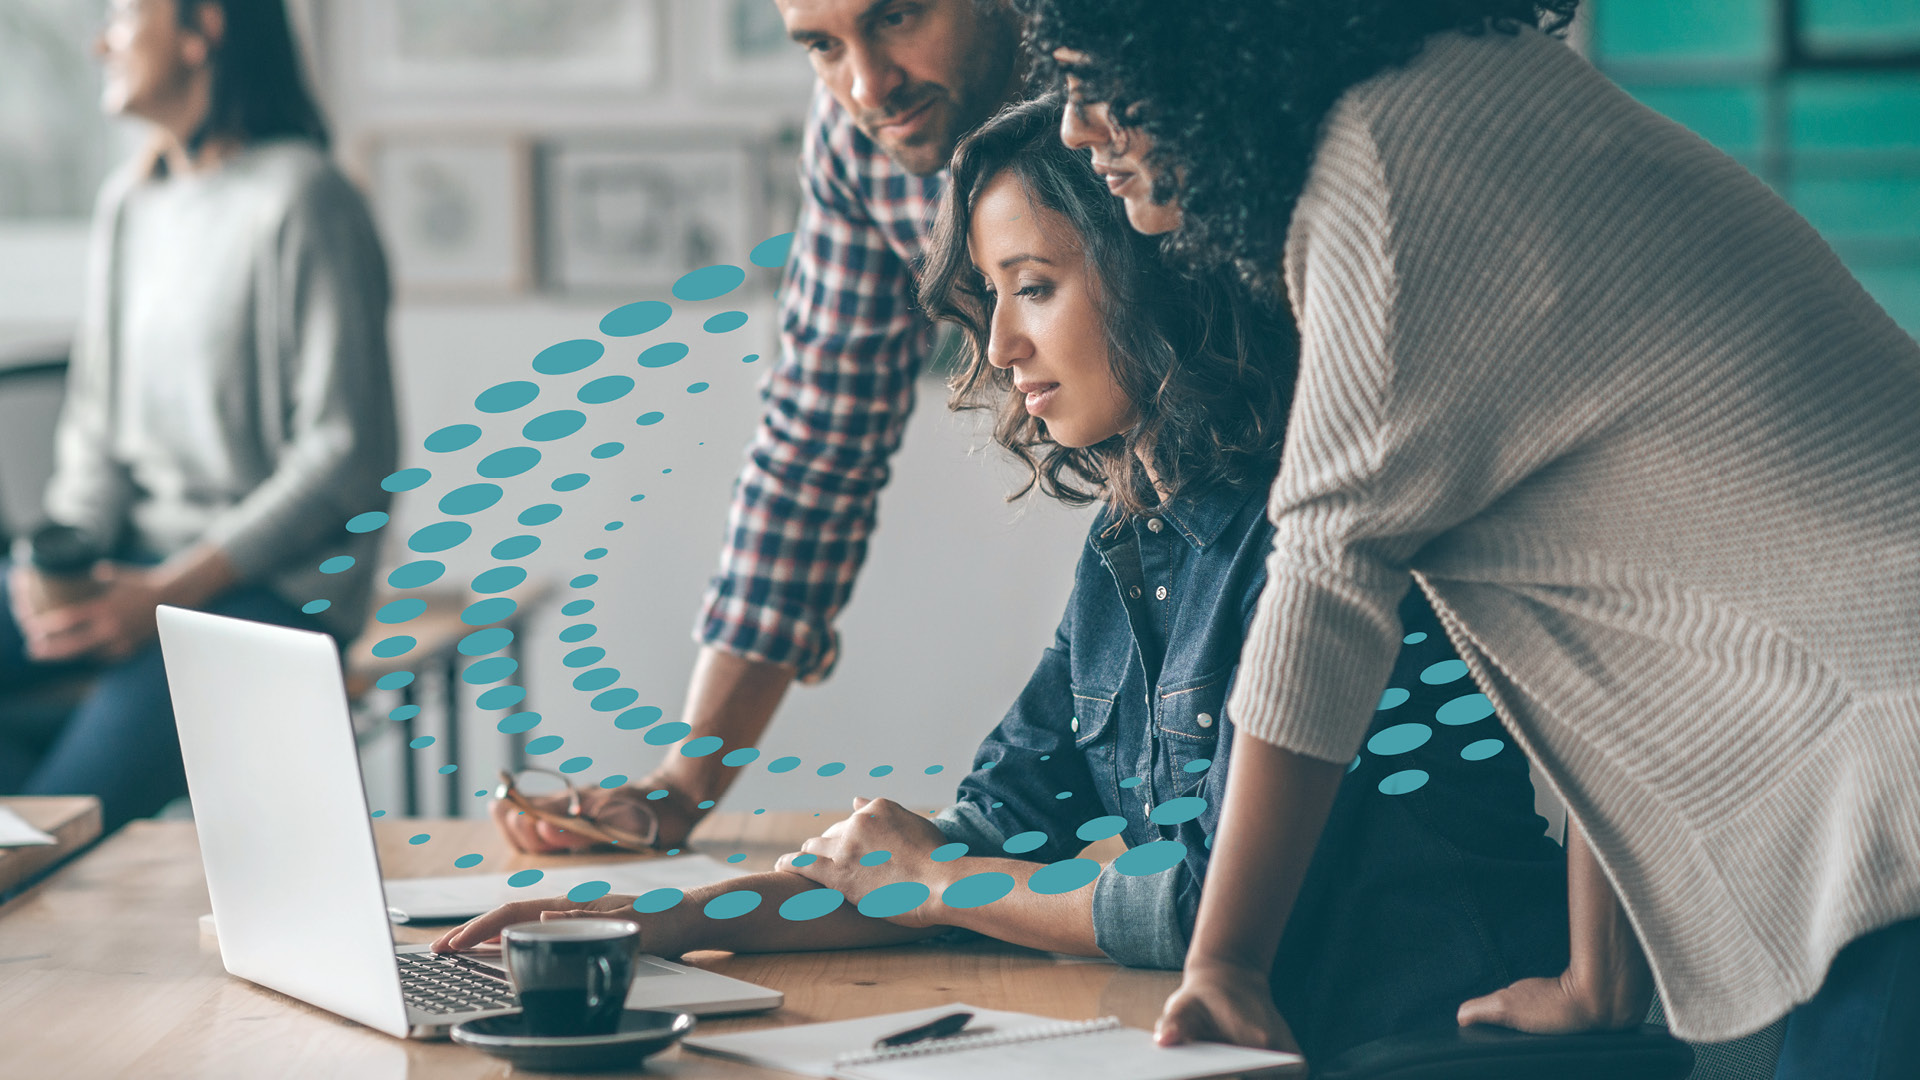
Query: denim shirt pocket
(1189,718)
(1093,737)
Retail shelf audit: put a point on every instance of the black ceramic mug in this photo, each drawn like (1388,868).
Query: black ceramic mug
(571,974)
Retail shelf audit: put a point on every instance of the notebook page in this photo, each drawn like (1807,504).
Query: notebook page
(1112,1054)
(810,1049)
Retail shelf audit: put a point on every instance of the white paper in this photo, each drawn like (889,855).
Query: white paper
(810,1049)
(15,832)
(462,896)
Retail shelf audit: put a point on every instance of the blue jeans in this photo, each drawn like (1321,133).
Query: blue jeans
(1864,1022)
(120,743)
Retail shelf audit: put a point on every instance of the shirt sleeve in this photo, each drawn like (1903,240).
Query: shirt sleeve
(837,401)
(322,342)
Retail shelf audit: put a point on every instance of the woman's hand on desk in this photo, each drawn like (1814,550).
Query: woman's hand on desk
(655,932)
(845,856)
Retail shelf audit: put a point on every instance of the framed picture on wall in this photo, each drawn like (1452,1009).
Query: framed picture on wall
(746,44)
(456,47)
(455,211)
(627,215)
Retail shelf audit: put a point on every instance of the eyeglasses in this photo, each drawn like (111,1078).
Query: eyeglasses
(529,788)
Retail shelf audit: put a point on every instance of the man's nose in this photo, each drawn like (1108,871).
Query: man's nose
(875,78)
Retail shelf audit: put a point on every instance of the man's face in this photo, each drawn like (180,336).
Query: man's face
(915,75)
(1119,155)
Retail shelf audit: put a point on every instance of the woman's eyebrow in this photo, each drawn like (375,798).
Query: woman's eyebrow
(1012,261)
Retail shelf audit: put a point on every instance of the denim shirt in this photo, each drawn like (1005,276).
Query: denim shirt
(1126,713)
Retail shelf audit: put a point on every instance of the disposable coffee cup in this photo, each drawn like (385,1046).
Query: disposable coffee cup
(60,560)
(571,975)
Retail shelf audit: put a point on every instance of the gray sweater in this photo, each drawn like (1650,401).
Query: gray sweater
(1655,456)
(230,380)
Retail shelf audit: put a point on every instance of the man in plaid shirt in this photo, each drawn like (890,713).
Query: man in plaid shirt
(900,82)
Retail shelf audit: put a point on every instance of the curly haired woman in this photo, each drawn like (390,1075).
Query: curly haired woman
(1632,427)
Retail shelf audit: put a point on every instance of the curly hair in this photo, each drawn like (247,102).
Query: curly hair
(1208,368)
(1233,92)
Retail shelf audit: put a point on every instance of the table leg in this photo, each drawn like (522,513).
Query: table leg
(410,785)
(455,804)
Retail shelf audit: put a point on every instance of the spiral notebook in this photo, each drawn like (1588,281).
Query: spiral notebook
(1002,1045)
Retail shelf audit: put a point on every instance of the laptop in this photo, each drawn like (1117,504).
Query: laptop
(287,841)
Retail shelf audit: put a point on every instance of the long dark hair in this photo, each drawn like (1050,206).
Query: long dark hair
(1208,368)
(259,91)
(1233,93)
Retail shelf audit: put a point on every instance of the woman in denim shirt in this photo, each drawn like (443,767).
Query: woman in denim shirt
(1165,398)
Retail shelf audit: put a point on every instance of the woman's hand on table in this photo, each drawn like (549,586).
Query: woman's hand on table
(837,858)
(1565,1005)
(656,934)
(1224,1004)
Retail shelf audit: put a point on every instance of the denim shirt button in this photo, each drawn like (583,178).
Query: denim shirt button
(1134,592)
(1075,725)
(1160,593)
(1204,720)
(1154,525)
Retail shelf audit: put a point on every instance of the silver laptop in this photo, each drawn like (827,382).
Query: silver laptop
(287,841)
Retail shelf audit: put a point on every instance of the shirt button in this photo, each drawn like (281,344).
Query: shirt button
(1203,720)
(1155,525)
(1076,724)
(1134,592)
(1160,593)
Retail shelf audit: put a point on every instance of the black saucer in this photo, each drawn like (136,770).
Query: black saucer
(641,1032)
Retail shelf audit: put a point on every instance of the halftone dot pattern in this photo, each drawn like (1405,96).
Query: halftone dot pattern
(1175,811)
(1399,739)
(421,743)
(933,769)
(337,565)
(731,905)
(525,878)
(516,547)
(702,746)
(744,756)
(667,733)
(613,781)
(1482,750)
(894,898)
(635,319)
(401,610)
(470,499)
(394,680)
(466,861)
(448,770)
(783,764)
(507,396)
(977,890)
(725,322)
(499,579)
(578,632)
(639,718)
(1021,843)
(831,768)
(405,712)
(880,770)
(405,479)
(420,838)
(450,438)
(588,890)
(1414,638)
(947,852)
(1198,765)
(545,744)
(1063,877)
(875,858)
(812,904)
(657,900)
(512,461)
(568,357)
(737,857)
(1150,858)
(367,522)
(1132,782)
(1392,698)
(1403,782)
(417,574)
(665,354)
(576,764)
(1444,672)
(805,858)
(485,612)
(1101,827)
(315,607)
(1466,709)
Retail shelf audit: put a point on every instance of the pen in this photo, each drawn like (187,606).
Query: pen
(938,1028)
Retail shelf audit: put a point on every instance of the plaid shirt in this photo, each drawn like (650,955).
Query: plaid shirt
(852,340)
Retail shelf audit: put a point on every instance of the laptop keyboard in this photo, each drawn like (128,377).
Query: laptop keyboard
(435,983)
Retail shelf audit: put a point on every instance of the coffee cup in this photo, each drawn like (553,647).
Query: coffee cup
(571,975)
(60,559)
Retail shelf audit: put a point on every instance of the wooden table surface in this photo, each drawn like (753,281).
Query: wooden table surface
(73,820)
(104,971)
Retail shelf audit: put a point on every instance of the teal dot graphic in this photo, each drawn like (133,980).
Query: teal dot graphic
(602,390)
(578,632)
(649,419)
(977,890)
(667,733)
(545,744)
(1482,750)
(1354,764)
(771,252)
(880,770)
(615,526)
(394,680)
(731,905)
(1021,843)
(397,645)
(931,769)
(613,781)
(315,607)
(1392,698)
(1198,765)
(784,764)
(499,579)
(568,357)
(420,743)
(750,358)
(507,396)
(501,697)
(584,581)
(608,449)
(614,700)
(725,322)
(1399,739)
(597,679)
(338,564)
(482,642)
(440,536)
(512,461)
(586,657)
(490,671)
(525,878)
(1175,811)
(452,437)
(638,718)
(657,900)
(420,838)
(810,905)
(576,607)
(1445,671)
(697,388)
(594,553)
(465,861)
(1101,827)
(554,425)
(665,354)
(482,612)
(947,852)
(470,499)
(1466,709)
(705,804)
(519,722)
(746,755)
(876,858)
(405,480)
(378,813)
(1414,638)
(831,768)
(404,712)
(539,515)
(702,746)
(516,547)
(1132,782)
(1063,877)
(1402,782)
(447,770)
(1063,794)
(630,320)
(367,522)
(805,859)
(896,898)
(708,282)
(1150,858)
(576,764)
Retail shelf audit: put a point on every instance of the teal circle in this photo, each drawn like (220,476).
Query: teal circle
(702,746)
(398,645)
(1132,782)
(1101,827)
(667,733)
(665,354)
(810,905)
(515,723)
(613,700)
(576,764)
(420,743)
(516,547)
(746,755)
(405,609)
(1482,750)
(977,890)
(501,697)
(586,657)
(440,536)
(525,878)
(1399,739)
(1465,709)
(404,713)
(1445,671)
(785,764)
(315,607)
(831,768)
(339,564)
(594,553)
(1150,858)
(1402,782)
(482,612)
(1175,811)
(613,780)
(725,322)
(630,320)
(648,419)
(697,388)
(367,522)
(597,679)
(655,901)
(506,396)
(568,357)
(896,898)
(750,358)
(638,718)
(604,389)
(1392,698)
(947,852)
(876,858)
(405,480)
(708,282)
(545,744)
(499,579)
(578,632)
(1063,877)
(1414,638)
(880,770)
(482,642)
(470,499)
(584,581)
(490,671)
(615,526)
(450,438)
(805,859)
(539,514)
(588,890)
(576,607)
(771,252)
(512,461)
(465,861)
(1021,843)
(931,769)
(419,838)
(557,424)
(1198,765)
(606,450)
(394,680)
(731,905)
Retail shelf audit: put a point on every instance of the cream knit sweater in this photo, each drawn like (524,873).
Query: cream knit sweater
(1656,457)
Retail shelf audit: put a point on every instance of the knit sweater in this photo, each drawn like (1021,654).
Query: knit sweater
(1655,457)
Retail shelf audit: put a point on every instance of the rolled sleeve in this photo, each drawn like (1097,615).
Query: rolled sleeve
(1136,920)
(964,823)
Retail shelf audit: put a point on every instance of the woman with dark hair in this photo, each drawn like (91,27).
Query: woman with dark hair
(1631,426)
(228,403)
(1163,397)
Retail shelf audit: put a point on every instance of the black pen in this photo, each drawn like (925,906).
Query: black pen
(938,1028)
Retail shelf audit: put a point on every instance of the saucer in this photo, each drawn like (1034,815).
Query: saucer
(641,1032)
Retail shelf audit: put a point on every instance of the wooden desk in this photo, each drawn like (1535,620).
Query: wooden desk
(73,820)
(104,972)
